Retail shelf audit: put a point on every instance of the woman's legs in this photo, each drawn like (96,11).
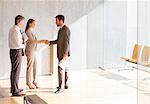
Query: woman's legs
(30,63)
(35,72)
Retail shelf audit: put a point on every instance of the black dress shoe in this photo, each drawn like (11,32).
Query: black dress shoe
(66,87)
(58,87)
(20,90)
(58,91)
(19,94)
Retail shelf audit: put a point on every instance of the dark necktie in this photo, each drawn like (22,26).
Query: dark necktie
(22,36)
(22,42)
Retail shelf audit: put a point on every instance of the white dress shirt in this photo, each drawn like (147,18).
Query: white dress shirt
(15,38)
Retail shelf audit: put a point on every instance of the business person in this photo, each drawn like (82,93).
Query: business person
(63,50)
(16,45)
(30,51)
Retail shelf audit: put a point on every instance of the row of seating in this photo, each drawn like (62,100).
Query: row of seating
(140,55)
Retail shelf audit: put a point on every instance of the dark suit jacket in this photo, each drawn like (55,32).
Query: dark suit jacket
(63,42)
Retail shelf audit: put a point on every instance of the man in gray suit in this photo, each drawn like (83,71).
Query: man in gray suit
(63,50)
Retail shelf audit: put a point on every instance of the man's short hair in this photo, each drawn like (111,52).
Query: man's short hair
(18,18)
(60,17)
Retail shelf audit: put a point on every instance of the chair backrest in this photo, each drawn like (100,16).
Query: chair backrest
(145,54)
(136,51)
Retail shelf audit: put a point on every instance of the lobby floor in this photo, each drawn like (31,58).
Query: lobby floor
(85,87)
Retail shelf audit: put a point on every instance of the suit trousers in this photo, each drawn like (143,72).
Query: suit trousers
(31,71)
(16,60)
(62,76)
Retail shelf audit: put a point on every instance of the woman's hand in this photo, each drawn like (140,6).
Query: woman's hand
(44,41)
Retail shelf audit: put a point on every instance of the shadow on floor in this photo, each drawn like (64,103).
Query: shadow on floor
(42,90)
(109,75)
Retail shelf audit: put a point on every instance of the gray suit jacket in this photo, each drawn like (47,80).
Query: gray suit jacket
(63,42)
(31,45)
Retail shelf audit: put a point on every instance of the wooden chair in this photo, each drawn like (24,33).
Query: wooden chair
(134,59)
(145,60)
(135,54)
(145,57)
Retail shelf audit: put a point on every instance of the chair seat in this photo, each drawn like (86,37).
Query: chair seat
(125,58)
(129,59)
(132,61)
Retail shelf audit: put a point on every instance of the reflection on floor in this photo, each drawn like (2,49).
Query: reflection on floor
(86,87)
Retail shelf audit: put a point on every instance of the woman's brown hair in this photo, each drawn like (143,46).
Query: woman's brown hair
(28,23)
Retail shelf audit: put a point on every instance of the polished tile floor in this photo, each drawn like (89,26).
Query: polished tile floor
(86,87)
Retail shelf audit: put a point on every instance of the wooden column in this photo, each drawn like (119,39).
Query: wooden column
(51,59)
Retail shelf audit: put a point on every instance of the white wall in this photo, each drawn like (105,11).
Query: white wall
(115,14)
(95,37)
(131,26)
(79,44)
(112,33)
(144,22)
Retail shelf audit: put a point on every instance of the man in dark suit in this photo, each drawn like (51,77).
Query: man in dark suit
(63,50)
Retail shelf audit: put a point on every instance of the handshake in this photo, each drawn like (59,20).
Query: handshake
(44,42)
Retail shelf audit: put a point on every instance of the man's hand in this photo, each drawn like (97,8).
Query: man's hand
(44,41)
(47,42)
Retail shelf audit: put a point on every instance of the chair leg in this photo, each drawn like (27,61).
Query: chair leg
(124,69)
